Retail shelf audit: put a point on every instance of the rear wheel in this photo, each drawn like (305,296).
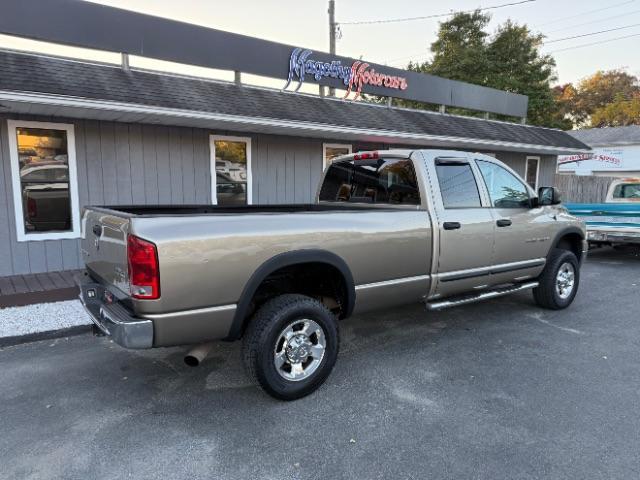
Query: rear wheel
(291,346)
(559,280)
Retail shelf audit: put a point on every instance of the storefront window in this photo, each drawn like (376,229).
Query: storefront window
(231,179)
(531,174)
(333,150)
(44,181)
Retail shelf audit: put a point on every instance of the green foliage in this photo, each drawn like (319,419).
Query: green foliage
(508,60)
(460,52)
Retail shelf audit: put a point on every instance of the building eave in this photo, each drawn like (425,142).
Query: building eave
(78,107)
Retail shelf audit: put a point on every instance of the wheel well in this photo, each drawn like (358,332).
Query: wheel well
(318,280)
(571,242)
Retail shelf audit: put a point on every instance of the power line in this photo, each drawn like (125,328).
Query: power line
(595,43)
(599,20)
(589,12)
(592,33)
(438,15)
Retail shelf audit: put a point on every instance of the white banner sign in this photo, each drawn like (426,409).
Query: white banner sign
(601,159)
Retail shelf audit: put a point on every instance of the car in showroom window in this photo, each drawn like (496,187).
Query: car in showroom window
(44,180)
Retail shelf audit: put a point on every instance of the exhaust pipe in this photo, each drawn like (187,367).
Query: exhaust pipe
(197,354)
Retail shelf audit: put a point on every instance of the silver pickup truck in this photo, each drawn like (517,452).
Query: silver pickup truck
(443,228)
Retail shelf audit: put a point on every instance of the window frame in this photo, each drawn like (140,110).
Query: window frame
(212,165)
(14,160)
(325,164)
(526,170)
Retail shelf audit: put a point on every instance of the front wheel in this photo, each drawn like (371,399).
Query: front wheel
(291,346)
(559,280)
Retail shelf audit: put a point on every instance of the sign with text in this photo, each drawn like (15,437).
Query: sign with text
(353,77)
(601,160)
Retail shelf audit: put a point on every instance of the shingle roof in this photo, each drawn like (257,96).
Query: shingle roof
(57,76)
(600,137)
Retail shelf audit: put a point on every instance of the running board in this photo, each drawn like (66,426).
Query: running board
(455,301)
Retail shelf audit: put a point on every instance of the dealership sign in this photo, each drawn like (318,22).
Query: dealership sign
(353,76)
(601,159)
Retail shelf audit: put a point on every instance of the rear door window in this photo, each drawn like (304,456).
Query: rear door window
(380,180)
(458,186)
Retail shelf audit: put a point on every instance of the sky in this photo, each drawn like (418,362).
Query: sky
(305,23)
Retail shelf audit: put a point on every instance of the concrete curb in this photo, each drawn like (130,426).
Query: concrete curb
(48,335)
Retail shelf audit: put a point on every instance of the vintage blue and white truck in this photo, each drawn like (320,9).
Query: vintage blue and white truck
(615,222)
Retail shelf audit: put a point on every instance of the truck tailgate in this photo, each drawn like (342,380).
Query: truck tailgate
(104,246)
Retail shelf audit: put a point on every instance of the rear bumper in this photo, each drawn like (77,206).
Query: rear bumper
(112,318)
(612,235)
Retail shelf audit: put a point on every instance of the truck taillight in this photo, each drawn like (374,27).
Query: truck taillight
(144,273)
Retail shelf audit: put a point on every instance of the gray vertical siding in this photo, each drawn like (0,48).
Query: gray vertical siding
(518,162)
(117,164)
(121,163)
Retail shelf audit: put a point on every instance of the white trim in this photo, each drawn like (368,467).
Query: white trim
(526,170)
(348,146)
(22,235)
(212,164)
(305,127)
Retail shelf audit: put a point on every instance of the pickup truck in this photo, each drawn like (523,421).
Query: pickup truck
(615,222)
(442,228)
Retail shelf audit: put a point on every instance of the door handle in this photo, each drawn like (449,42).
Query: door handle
(504,222)
(451,225)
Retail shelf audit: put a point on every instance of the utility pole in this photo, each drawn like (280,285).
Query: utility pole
(332,36)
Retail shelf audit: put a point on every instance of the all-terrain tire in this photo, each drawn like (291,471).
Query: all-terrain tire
(549,294)
(263,334)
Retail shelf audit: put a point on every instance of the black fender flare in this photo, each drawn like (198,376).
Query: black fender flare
(288,259)
(563,233)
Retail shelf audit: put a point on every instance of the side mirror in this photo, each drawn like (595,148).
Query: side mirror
(549,196)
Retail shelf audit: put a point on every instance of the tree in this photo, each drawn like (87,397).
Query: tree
(460,52)
(597,91)
(516,65)
(619,113)
(509,60)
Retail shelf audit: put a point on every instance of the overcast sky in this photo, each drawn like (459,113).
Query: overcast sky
(304,23)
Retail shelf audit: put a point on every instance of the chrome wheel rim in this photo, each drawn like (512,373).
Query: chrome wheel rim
(565,280)
(299,350)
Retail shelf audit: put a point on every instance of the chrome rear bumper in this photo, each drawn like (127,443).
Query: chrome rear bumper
(603,235)
(112,318)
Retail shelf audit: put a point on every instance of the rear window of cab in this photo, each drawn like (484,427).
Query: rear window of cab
(380,181)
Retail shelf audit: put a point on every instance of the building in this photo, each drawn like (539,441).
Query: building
(615,153)
(76,133)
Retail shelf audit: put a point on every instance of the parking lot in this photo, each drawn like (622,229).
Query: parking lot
(497,390)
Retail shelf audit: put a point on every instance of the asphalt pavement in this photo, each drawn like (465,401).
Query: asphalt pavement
(495,390)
